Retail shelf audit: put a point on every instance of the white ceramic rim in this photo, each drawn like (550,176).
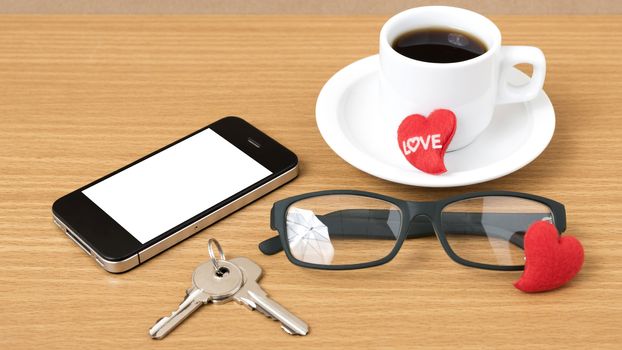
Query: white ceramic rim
(492,46)
(327,118)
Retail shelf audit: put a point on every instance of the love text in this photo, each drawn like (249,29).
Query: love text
(412,144)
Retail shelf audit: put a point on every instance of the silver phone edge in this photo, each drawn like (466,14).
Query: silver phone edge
(189,230)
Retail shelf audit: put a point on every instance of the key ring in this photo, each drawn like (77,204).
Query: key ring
(210,250)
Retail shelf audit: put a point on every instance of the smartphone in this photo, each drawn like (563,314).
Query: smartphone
(129,216)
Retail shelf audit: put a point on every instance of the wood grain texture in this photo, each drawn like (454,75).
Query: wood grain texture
(308,7)
(81,96)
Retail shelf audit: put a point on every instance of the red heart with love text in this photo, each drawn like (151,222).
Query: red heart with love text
(550,259)
(424,141)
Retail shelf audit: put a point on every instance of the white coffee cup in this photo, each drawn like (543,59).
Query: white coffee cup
(470,88)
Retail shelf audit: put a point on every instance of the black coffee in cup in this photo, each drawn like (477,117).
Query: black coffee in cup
(439,45)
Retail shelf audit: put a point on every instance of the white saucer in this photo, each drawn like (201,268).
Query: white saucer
(346,114)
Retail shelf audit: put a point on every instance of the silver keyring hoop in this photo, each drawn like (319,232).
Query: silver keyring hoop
(213,242)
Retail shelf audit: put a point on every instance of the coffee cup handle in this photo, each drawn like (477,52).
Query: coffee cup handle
(511,56)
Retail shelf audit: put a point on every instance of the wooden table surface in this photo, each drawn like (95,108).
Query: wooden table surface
(81,96)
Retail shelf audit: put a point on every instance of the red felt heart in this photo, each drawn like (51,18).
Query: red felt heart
(423,141)
(550,260)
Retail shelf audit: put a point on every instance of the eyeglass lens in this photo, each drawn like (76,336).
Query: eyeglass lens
(342,229)
(490,229)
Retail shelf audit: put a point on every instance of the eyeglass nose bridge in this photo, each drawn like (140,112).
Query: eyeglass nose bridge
(416,209)
(420,219)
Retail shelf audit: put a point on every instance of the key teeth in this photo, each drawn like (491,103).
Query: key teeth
(284,327)
(267,314)
(287,330)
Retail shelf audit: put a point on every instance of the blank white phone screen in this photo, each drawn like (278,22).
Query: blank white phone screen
(164,190)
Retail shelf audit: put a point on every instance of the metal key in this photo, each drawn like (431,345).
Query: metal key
(213,281)
(255,298)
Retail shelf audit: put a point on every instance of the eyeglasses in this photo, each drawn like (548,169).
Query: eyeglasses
(342,230)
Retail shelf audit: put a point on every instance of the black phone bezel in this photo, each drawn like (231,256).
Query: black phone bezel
(111,241)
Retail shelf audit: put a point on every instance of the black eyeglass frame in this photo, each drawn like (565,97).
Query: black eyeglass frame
(410,210)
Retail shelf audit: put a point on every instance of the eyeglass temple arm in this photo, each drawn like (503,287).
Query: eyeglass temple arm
(365,223)
(271,246)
